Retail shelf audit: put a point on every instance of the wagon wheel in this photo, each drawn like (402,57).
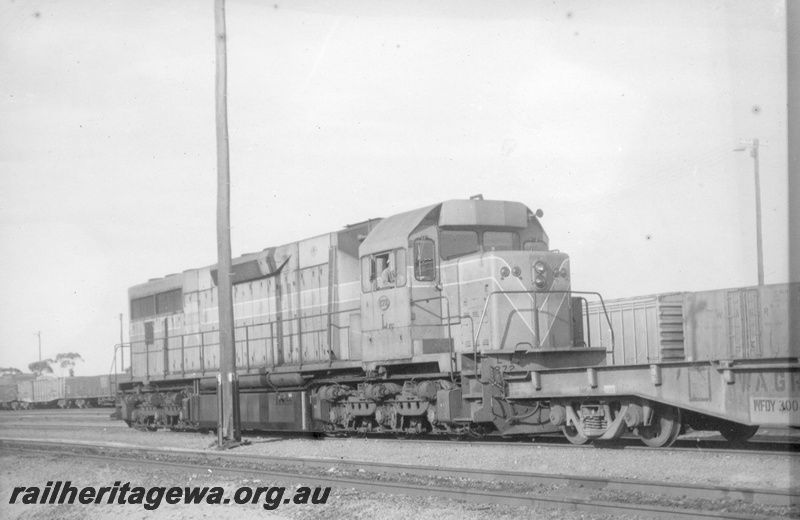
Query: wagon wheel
(572,435)
(736,432)
(665,428)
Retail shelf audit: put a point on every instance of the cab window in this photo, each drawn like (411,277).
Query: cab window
(500,241)
(534,245)
(383,270)
(367,273)
(385,273)
(424,260)
(455,243)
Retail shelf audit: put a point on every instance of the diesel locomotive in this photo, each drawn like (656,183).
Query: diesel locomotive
(455,319)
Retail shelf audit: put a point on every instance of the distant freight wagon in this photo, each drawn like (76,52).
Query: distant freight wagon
(64,392)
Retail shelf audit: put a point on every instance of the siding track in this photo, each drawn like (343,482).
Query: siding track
(591,495)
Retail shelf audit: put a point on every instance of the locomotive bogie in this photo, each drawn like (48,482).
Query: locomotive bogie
(381,407)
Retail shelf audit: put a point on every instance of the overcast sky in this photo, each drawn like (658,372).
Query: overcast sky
(618,119)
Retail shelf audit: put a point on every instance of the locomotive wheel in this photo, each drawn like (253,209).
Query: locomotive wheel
(736,432)
(665,428)
(572,435)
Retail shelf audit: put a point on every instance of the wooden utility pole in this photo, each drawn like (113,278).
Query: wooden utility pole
(229,424)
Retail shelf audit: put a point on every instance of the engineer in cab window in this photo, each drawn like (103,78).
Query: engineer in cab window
(388,274)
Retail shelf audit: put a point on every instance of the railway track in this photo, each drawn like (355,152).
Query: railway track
(576,493)
(72,419)
(56,411)
(59,419)
(787,446)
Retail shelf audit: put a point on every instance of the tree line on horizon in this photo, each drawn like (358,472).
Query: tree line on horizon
(66,360)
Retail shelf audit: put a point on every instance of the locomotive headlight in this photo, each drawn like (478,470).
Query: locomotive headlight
(516,271)
(504,271)
(541,281)
(540,267)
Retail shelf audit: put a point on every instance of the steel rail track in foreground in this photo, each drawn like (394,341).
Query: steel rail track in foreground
(750,496)
(752,447)
(788,446)
(469,495)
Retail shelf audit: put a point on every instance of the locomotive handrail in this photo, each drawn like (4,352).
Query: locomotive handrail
(273,340)
(536,314)
(330,350)
(585,304)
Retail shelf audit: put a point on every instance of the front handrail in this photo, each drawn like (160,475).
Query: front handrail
(536,314)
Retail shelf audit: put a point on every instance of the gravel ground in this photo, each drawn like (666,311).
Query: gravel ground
(762,471)
(28,470)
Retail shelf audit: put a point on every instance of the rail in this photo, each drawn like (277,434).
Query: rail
(654,499)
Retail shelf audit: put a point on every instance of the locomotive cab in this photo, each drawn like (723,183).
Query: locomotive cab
(465,277)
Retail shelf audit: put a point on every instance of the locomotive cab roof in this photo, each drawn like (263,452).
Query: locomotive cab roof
(393,232)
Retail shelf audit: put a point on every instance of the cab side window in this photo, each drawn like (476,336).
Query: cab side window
(383,270)
(367,273)
(424,260)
